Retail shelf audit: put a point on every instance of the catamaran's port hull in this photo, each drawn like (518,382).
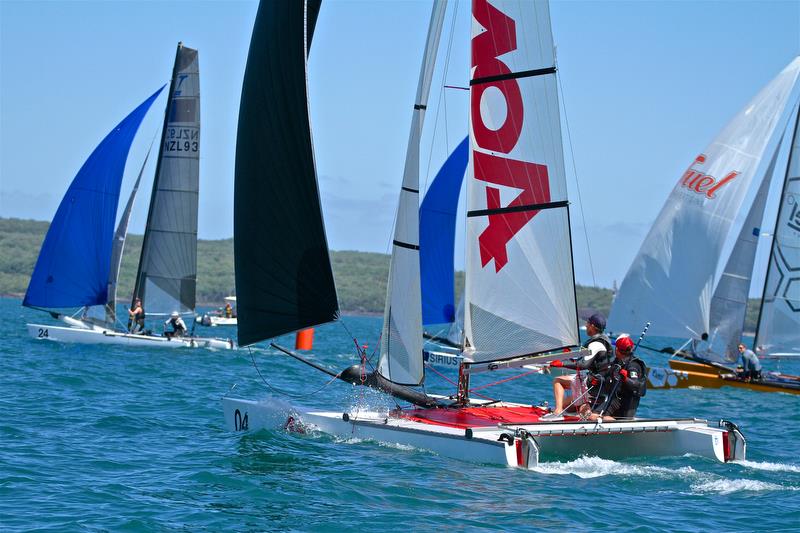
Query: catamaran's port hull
(685,374)
(517,446)
(101,336)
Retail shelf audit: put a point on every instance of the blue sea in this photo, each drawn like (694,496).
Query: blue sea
(98,438)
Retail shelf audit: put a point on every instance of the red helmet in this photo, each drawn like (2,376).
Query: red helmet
(624,344)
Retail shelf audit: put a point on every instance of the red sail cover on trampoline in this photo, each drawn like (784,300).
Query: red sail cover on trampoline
(478,416)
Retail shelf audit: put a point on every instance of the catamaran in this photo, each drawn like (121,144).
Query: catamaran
(702,247)
(520,300)
(79,263)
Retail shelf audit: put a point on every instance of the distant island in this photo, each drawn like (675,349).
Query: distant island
(360,276)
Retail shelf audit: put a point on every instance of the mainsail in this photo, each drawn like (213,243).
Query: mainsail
(437,231)
(167,276)
(779,318)
(520,289)
(284,280)
(73,265)
(401,337)
(674,276)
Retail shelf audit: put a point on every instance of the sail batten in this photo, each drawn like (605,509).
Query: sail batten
(167,277)
(520,292)
(284,279)
(73,268)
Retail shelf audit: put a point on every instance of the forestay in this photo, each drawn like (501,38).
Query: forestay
(284,280)
(401,337)
(167,276)
(683,254)
(73,265)
(520,285)
(779,319)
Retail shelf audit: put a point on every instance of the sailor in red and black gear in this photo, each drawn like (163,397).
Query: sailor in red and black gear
(616,390)
(600,353)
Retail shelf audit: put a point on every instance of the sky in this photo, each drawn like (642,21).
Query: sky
(646,85)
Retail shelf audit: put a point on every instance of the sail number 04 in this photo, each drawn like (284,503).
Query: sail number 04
(240,423)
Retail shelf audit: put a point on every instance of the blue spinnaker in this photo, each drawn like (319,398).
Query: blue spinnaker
(74,262)
(437,232)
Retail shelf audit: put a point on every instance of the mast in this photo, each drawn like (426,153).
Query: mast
(401,337)
(778,219)
(167,275)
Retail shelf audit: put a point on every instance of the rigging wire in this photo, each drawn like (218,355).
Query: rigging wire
(442,101)
(577,182)
(282,392)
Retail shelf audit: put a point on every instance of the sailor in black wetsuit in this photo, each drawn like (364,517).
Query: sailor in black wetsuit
(615,391)
(600,353)
(178,326)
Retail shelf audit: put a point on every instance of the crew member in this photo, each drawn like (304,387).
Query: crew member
(228,310)
(177,324)
(750,364)
(136,317)
(600,351)
(616,390)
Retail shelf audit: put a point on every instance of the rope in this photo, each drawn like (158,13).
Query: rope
(450,381)
(512,378)
(577,183)
(282,392)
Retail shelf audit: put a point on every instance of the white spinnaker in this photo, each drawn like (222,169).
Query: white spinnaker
(779,320)
(401,337)
(672,279)
(729,303)
(519,276)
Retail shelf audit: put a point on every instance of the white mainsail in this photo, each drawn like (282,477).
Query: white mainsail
(779,319)
(401,337)
(673,278)
(520,291)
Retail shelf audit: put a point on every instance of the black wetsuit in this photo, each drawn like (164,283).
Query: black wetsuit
(625,395)
(595,364)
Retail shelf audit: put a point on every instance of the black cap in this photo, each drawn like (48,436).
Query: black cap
(598,321)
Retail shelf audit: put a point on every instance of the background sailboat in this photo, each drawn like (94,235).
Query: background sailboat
(693,273)
(87,255)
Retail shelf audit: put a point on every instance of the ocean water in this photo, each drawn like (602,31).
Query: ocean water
(96,438)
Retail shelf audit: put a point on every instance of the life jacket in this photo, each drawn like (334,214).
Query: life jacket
(176,325)
(602,359)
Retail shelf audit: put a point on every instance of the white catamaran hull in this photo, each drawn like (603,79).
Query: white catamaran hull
(97,335)
(514,445)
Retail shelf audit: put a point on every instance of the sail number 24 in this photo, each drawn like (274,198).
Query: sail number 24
(43,333)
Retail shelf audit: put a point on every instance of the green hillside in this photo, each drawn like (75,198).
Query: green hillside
(360,276)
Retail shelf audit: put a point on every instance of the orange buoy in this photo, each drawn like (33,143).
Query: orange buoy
(304,340)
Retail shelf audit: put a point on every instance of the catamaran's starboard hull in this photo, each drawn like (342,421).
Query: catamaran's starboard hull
(686,374)
(101,336)
(518,445)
